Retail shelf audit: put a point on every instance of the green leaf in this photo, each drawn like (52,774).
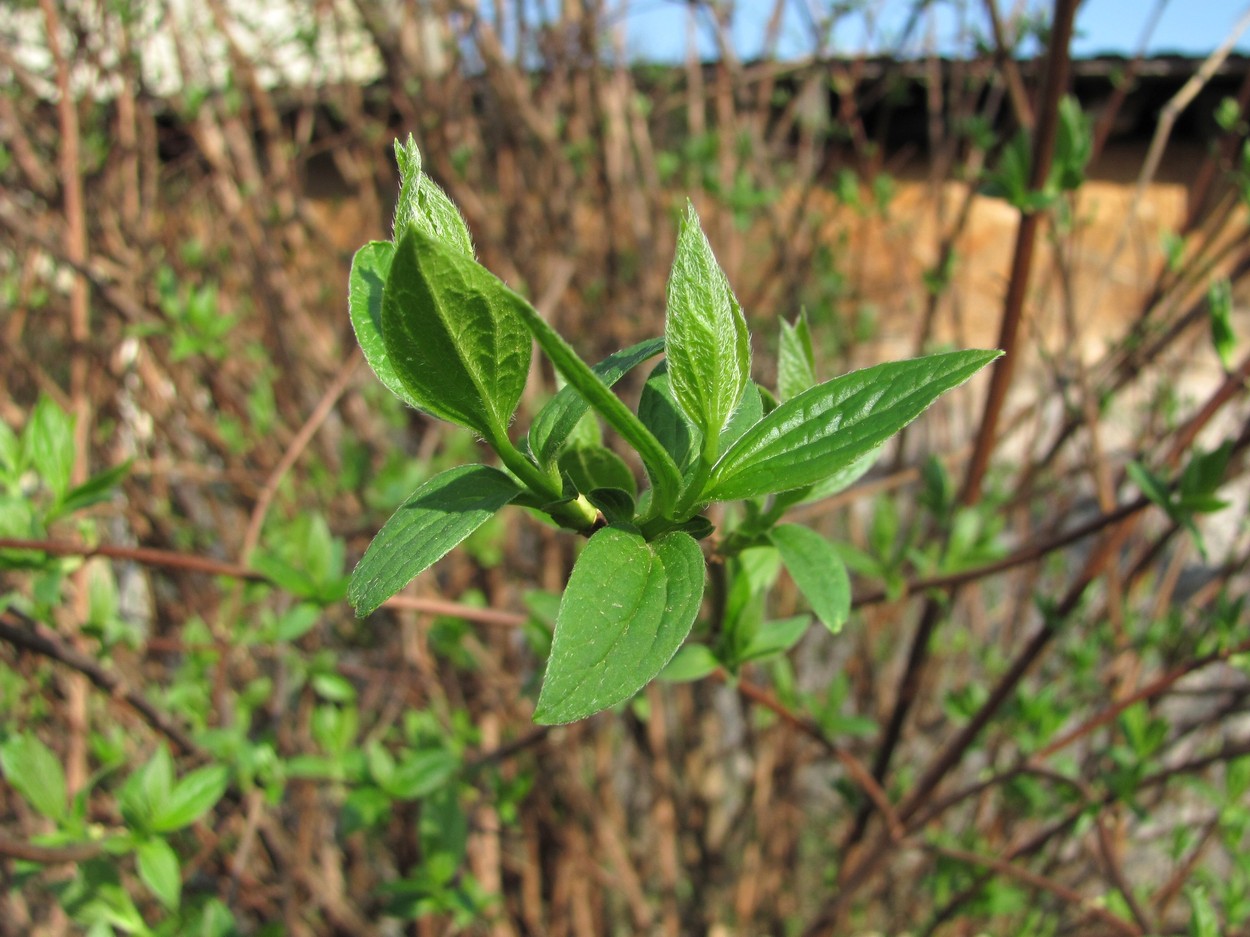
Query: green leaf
(692,662)
(796,361)
(555,422)
(421,774)
(659,412)
(191,798)
(333,687)
(626,610)
(159,870)
(1220,310)
(36,774)
(811,436)
(146,791)
(48,441)
(366,286)
(750,411)
(1152,486)
(775,637)
(453,335)
(706,339)
(592,468)
(95,489)
(438,516)
(1203,919)
(664,473)
(424,206)
(817,570)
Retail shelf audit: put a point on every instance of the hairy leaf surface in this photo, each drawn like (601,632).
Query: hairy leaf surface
(453,335)
(423,205)
(706,339)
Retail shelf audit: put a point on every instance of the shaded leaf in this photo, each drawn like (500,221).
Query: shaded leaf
(366,285)
(817,570)
(160,871)
(796,361)
(555,422)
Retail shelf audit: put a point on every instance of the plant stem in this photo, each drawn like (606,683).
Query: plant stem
(576,514)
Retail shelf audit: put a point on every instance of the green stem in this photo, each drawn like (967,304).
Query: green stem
(665,476)
(576,515)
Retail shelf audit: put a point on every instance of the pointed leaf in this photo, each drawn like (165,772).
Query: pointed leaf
(554,423)
(659,412)
(706,339)
(453,335)
(628,607)
(438,516)
(598,467)
(817,570)
(365,287)
(191,798)
(750,411)
(819,432)
(1220,309)
(159,870)
(35,773)
(423,205)
(796,361)
(48,440)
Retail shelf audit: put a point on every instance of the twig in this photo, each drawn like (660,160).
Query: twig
(30,635)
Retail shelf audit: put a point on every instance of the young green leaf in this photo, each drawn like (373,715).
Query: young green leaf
(796,361)
(1220,309)
(191,798)
(660,413)
(158,868)
(48,441)
(706,339)
(146,792)
(555,422)
(366,285)
(627,608)
(591,468)
(423,205)
(453,335)
(813,435)
(750,410)
(664,473)
(35,773)
(817,570)
(692,662)
(438,516)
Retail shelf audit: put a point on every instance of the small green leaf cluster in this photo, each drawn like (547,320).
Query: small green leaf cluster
(154,807)
(453,341)
(1074,146)
(36,467)
(1192,492)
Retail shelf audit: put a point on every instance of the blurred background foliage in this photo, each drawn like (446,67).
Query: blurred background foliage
(1046,677)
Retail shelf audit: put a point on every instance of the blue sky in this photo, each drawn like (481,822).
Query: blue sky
(657,29)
